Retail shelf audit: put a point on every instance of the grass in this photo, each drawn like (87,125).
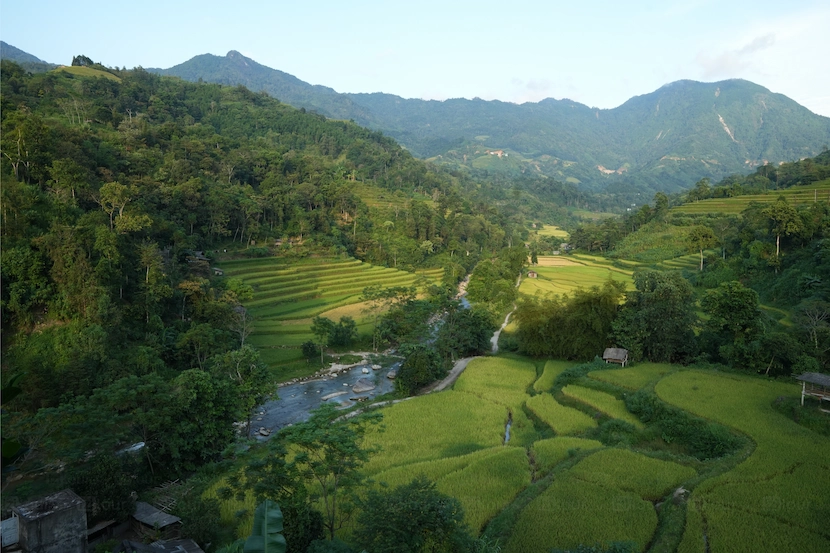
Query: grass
(602,402)
(633,378)
(88,72)
(552,451)
(571,273)
(503,381)
(572,512)
(786,479)
(649,478)
(230,508)
(435,426)
(563,420)
(552,230)
(434,469)
(551,371)
(487,485)
(775,499)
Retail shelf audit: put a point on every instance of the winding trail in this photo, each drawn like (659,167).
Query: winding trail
(461,364)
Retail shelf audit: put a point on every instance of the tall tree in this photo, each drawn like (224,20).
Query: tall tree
(783,220)
(701,237)
(330,455)
(658,319)
(412,518)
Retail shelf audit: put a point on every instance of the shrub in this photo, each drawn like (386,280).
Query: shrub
(423,366)
(704,440)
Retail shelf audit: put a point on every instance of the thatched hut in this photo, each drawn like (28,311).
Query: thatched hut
(615,355)
(815,385)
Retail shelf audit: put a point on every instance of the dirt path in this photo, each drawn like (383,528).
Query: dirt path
(450,379)
(495,339)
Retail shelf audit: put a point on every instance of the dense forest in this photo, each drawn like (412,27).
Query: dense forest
(119,187)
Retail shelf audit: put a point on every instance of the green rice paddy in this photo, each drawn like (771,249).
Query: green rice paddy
(288,294)
(796,195)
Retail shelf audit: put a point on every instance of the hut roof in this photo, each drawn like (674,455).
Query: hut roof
(149,515)
(615,353)
(815,378)
(168,546)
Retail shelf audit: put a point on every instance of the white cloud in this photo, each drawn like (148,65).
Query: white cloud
(731,63)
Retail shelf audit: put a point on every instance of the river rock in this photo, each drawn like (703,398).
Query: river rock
(363,385)
(376,367)
(334,394)
(364,370)
(392,374)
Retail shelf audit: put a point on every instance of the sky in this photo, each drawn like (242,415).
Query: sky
(599,53)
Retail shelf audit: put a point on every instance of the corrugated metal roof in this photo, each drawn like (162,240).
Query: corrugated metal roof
(815,378)
(149,515)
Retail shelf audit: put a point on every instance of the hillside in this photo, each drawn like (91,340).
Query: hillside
(25,59)
(665,140)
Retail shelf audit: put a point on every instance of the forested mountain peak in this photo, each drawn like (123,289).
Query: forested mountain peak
(664,140)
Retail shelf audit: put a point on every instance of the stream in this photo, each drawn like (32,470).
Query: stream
(295,401)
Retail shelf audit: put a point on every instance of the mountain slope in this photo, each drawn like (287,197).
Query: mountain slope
(236,69)
(24,59)
(665,140)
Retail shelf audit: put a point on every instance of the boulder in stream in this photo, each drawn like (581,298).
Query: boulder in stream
(363,385)
(392,374)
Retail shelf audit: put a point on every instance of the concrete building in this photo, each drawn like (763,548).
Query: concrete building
(53,524)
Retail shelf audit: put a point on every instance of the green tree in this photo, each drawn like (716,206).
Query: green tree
(783,220)
(322,327)
(412,518)
(658,319)
(330,456)
(734,322)
(701,237)
(250,376)
(421,367)
(343,333)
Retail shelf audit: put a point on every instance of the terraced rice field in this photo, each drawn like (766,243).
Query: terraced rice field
(552,230)
(602,402)
(776,500)
(551,371)
(587,493)
(796,195)
(562,275)
(287,295)
(633,378)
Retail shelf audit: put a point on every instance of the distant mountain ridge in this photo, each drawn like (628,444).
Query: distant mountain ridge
(664,140)
(24,59)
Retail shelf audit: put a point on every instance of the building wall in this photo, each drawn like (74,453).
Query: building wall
(59,530)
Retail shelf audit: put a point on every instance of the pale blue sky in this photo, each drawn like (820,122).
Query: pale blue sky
(596,52)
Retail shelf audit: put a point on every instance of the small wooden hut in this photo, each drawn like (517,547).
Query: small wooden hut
(531,274)
(615,355)
(815,385)
(153,522)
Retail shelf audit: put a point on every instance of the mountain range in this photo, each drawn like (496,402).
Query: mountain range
(665,140)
